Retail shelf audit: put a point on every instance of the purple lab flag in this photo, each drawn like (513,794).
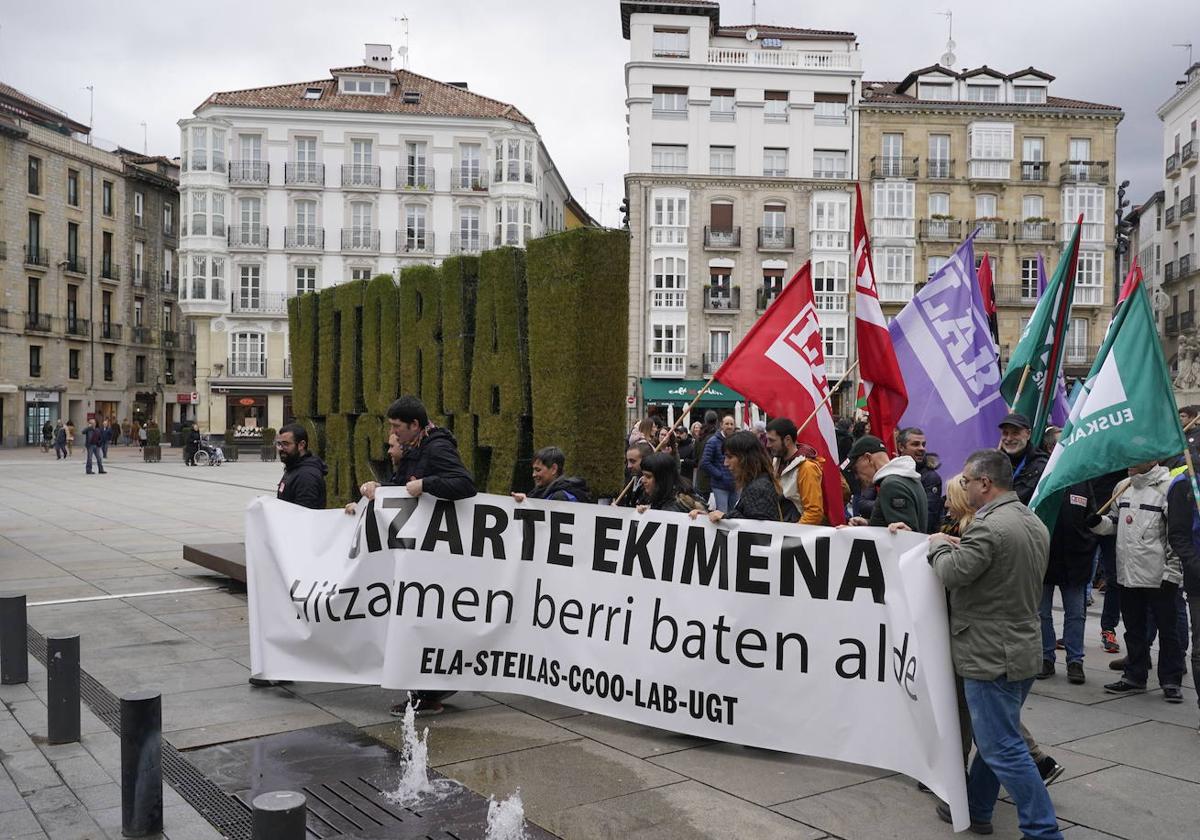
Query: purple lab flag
(949,363)
(1061,409)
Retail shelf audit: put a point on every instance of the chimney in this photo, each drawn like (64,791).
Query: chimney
(378,56)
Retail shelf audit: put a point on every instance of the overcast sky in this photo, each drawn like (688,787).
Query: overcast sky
(560,61)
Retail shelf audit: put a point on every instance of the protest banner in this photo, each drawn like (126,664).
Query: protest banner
(819,641)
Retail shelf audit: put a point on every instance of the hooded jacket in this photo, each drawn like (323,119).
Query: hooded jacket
(435,460)
(931,480)
(1145,560)
(900,495)
(303,482)
(800,479)
(565,488)
(713,463)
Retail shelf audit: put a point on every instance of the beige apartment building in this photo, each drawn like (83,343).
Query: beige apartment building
(942,153)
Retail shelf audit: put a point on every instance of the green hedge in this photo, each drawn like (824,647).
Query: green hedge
(370,450)
(328,353)
(302,340)
(381,344)
(340,483)
(421,326)
(579,359)
(349,302)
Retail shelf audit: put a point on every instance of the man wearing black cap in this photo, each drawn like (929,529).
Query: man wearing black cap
(1027,461)
(900,495)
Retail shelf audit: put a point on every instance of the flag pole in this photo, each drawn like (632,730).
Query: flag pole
(1021,386)
(675,425)
(828,396)
(1121,488)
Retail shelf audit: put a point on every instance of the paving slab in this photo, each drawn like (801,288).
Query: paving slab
(478,733)
(633,738)
(1130,803)
(534,706)
(1159,747)
(1151,706)
(123,676)
(238,730)
(1056,721)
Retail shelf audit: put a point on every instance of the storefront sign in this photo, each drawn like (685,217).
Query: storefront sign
(246,401)
(41,396)
(183,399)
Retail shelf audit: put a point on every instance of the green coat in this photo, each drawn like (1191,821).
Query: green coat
(995,581)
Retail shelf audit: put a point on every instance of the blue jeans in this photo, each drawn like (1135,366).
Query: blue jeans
(94,451)
(1003,758)
(1073,621)
(723,499)
(1110,616)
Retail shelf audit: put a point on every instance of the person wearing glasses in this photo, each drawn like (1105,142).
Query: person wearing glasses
(303,481)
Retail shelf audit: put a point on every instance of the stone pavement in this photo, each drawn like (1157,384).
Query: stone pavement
(1133,763)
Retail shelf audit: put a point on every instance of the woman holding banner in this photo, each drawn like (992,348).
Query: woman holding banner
(759,496)
(664,489)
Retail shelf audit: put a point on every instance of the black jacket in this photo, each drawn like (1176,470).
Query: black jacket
(931,480)
(303,483)
(1027,471)
(566,488)
(758,500)
(687,458)
(1072,544)
(436,462)
(1181,508)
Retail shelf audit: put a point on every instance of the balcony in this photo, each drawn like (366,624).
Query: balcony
(77,327)
(473,244)
(248,367)
(307,238)
(893,228)
(1035,171)
(1171,325)
(1187,320)
(989,170)
(669,235)
(1088,295)
(141,335)
(363,176)
(39,257)
(722,299)
(1187,206)
(258,303)
(667,364)
(1170,272)
(766,296)
(169,339)
(711,361)
(941,230)
(1035,231)
(37,322)
(1187,157)
(1171,217)
(723,240)
(249,172)
(1011,294)
(776,238)
(110,271)
(1079,355)
(169,377)
(893,167)
(1185,266)
(414,178)
(363,240)
(414,242)
(469,179)
(304,174)
(1083,172)
(110,332)
(937,169)
(990,230)
(248,236)
(1172,165)
(791,59)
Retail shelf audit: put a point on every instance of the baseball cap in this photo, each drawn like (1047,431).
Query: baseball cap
(1015,419)
(865,445)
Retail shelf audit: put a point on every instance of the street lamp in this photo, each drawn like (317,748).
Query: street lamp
(1120,236)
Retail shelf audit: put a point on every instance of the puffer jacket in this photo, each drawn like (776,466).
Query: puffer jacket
(901,496)
(1145,560)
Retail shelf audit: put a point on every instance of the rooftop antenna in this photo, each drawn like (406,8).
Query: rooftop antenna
(754,12)
(91,89)
(402,50)
(1188,46)
(145,141)
(948,58)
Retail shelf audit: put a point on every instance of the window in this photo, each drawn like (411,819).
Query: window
(139,209)
(991,149)
(512,233)
(307,169)
(937,91)
(35,360)
(830,106)
(415,174)
(106,198)
(893,200)
(670,101)
(939,156)
(360,274)
(985,206)
(247,355)
(670,43)
(249,287)
(139,260)
(721,160)
(668,346)
(668,158)
(306,279)
(669,283)
(218,150)
(218,214)
(73,187)
(35,175)
(168,318)
(34,299)
(106,254)
(139,369)
(896,279)
(199,149)
(1032,207)
(168,217)
(1090,202)
(829,278)
(718,347)
(306,223)
(34,240)
(361,215)
(250,148)
(939,205)
(1089,278)
(1076,352)
(415,228)
(1029,279)
(775,163)
(72,308)
(830,223)
(774,217)
(775,106)
(73,364)
(73,263)
(835,348)
(199,213)
(109,364)
(199,278)
(250,210)
(933,265)
(513,160)
(892,146)
(526,222)
(1029,94)
(983,93)
(361,152)
(371,86)
(829,163)
(468,229)
(217,265)
(470,156)
(721,106)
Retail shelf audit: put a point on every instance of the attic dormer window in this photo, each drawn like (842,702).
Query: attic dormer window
(312,93)
(1029,93)
(376,87)
(983,93)
(937,91)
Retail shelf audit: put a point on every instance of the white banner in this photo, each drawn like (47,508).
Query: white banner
(811,640)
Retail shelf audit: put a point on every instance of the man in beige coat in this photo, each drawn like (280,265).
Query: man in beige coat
(994,576)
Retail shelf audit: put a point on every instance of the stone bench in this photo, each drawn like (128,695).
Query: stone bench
(227,559)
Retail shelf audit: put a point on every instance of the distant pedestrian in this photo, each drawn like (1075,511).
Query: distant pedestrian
(143,435)
(94,441)
(47,435)
(70,437)
(60,441)
(126,429)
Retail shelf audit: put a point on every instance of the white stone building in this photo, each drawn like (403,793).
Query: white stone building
(741,160)
(294,188)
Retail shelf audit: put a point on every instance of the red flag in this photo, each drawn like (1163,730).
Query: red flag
(989,296)
(880,374)
(746,414)
(780,365)
(1131,280)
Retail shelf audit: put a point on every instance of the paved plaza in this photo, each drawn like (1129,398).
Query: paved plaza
(1132,763)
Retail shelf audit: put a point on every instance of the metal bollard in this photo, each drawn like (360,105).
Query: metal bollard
(141,764)
(279,815)
(14,640)
(62,689)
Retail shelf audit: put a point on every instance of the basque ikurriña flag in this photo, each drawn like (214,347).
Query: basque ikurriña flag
(780,365)
(887,398)
(947,356)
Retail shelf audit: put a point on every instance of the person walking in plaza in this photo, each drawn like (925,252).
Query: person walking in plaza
(191,446)
(106,436)
(94,441)
(994,576)
(60,441)
(900,496)
(663,488)
(126,430)
(47,435)
(799,473)
(1028,461)
(912,442)
(1149,575)
(712,463)
(550,484)
(1072,549)
(754,478)
(143,436)
(70,424)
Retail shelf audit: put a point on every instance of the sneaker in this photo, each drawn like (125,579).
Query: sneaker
(1047,669)
(1172,694)
(943,812)
(1109,638)
(1049,769)
(1122,687)
(1058,645)
(1089,601)
(1118,664)
(1075,674)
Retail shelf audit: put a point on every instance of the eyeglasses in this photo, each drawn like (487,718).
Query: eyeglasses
(965,481)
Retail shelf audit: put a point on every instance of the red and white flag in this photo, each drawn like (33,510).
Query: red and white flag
(780,366)
(886,395)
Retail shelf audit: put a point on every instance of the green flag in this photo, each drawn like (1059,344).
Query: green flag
(1031,378)
(1125,415)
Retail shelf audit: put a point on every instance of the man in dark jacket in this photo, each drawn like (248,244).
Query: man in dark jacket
(899,494)
(549,483)
(93,439)
(429,461)
(303,481)
(912,442)
(712,463)
(1181,536)
(192,445)
(1072,548)
(1027,460)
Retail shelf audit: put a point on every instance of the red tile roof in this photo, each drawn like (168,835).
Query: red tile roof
(360,69)
(886,94)
(22,105)
(436,99)
(787,32)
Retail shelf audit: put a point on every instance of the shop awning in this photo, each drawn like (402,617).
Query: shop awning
(683,391)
